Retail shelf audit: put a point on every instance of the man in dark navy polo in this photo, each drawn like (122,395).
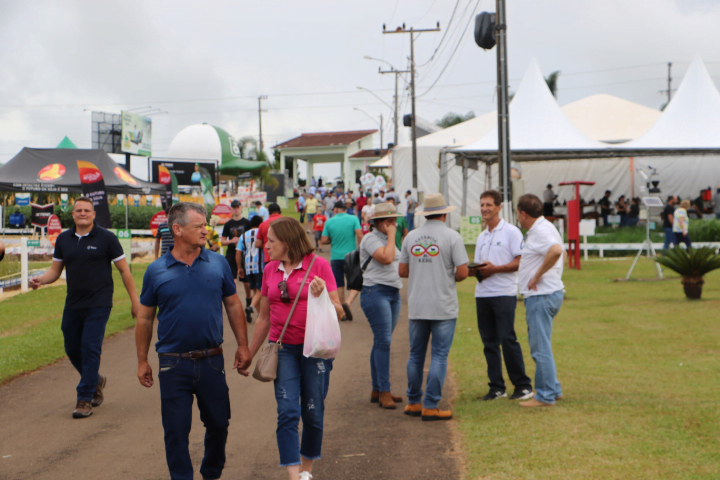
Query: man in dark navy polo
(87,251)
(188,287)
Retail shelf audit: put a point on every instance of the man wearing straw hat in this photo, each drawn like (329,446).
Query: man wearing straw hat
(434,258)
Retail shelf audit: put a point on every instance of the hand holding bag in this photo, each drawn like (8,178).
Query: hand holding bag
(267,358)
(322,330)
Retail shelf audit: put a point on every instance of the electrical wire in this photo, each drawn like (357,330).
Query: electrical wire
(447,29)
(450,39)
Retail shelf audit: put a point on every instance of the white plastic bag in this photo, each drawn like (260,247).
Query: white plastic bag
(322,330)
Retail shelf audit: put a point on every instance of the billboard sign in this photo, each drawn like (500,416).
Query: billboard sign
(106,131)
(183,171)
(136,134)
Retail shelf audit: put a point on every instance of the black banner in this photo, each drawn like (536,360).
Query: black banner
(183,171)
(41,214)
(93,187)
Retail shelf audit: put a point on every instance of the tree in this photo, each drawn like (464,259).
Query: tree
(551,81)
(248,147)
(453,118)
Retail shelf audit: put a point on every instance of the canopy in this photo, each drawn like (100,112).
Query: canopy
(66,143)
(56,170)
(236,166)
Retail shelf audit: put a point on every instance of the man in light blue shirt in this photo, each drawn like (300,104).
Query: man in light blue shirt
(262,211)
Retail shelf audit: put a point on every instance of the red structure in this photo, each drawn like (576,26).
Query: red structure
(574,214)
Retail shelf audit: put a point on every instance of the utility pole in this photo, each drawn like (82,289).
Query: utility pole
(261,145)
(381,132)
(412,31)
(669,90)
(395,119)
(503,116)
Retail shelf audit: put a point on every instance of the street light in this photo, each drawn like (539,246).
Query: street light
(373,119)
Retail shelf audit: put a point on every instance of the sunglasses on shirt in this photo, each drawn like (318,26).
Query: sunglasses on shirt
(284,294)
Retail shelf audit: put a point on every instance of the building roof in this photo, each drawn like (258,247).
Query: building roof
(374,153)
(325,139)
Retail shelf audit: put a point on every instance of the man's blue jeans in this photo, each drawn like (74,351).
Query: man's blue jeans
(669,238)
(443,333)
(83,331)
(540,312)
(300,389)
(180,379)
(410,217)
(381,305)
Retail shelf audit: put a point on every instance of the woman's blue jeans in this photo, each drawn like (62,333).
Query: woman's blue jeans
(300,390)
(381,305)
(540,313)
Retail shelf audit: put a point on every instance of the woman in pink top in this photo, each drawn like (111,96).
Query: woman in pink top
(302,383)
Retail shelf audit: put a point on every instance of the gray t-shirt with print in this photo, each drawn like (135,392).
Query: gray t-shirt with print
(433,252)
(376,273)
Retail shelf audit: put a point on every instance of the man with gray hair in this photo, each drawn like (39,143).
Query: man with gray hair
(188,287)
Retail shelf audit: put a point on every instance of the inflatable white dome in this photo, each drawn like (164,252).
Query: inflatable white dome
(204,142)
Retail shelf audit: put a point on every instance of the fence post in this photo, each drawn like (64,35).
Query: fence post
(24,264)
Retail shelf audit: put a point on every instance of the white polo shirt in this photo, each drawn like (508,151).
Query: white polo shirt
(538,240)
(498,247)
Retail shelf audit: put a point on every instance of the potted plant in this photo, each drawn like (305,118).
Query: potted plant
(691,264)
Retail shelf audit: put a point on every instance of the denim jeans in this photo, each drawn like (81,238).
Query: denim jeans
(669,238)
(496,323)
(410,217)
(83,332)
(180,379)
(381,305)
(300,389)
(443,332)
(680,238)
(540,312)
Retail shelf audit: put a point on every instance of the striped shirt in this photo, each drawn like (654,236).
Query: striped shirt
(252,253)
(165,234)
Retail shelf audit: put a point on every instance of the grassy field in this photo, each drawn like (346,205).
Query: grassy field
(639,368)
(30,335)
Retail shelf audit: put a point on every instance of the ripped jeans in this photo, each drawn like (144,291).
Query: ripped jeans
(300,390)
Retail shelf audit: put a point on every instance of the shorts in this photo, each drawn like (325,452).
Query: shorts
(338,269)
(310,217)
(255,280)
(318,235)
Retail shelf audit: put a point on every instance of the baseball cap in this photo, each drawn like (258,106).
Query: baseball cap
(235,203)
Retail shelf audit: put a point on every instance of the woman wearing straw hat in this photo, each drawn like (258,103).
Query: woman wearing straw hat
(380,297)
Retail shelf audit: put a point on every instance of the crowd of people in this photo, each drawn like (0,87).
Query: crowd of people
(188,285)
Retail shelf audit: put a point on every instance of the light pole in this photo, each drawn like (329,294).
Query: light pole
(379,123)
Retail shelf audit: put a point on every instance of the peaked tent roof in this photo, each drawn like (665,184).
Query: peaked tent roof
(691,119)
(536,122)
(325,139)
(66,143)
(56,170)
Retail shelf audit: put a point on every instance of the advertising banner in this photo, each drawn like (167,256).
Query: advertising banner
(64,201)
(22,199)
(184,171)
(136,134)
(165,177)
(41,214)
(223,212)
(93,187)
(54,228)
(158,219)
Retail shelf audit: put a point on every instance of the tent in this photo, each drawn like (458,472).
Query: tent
(66,143)
(55,170)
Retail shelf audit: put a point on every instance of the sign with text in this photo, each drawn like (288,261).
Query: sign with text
(223,212)
(470,229)
(93,187)
(125,238)
(157,219)
(41,214)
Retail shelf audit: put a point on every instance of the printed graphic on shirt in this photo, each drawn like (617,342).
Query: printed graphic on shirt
(425,249)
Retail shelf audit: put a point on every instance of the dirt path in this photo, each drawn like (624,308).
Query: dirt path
(124,437)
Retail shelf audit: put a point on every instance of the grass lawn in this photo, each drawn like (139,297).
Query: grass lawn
(639,365)
(30,335)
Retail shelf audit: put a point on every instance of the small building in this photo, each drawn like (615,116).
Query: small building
(330,147)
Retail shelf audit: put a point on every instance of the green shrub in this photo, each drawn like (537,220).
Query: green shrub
(704,230)
(138,218)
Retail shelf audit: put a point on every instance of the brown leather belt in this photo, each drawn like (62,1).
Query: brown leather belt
(195,354)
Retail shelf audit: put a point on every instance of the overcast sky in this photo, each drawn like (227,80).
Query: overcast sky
(208,61)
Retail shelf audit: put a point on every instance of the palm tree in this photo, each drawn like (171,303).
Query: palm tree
(551,81)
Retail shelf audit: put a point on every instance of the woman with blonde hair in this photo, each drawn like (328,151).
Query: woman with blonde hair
(681,222)
(302,383)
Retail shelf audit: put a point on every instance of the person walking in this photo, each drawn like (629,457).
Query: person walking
(318,227)
(249,259)
(344,233)
(302,383)
(188,287)
(301,204)
(681,223)
(434,258)
(497,252)
(540,279)
(311,208)
(361,202)
(163,240)
(548,200)
(411,205)
(668,220)
(232,231)
(329,204)
(87,251)
(261,240)
(380,298)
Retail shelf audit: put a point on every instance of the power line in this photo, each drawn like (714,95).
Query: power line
(450,37)
(444,35)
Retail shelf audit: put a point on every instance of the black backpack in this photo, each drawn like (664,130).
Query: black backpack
(354,271)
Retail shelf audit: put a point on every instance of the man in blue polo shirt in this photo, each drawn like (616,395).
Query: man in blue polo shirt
(342,231)
(188,287)
(87,251)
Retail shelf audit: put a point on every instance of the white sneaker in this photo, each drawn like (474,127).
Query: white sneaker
(305,475)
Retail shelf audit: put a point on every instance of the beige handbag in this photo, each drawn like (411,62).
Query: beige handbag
(267,358)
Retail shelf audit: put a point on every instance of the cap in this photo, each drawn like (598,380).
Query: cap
(235,203)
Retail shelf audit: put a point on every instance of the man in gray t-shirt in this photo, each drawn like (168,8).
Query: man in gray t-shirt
(434,258)
(410,210)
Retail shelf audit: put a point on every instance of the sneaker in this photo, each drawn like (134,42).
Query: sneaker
(249,313)
(348,313)
(83,409)
(493,394)
(429,415)
(522,394)
(305,475)
(98,397)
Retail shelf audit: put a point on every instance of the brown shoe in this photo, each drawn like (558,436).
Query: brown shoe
(559,398)
(429,415)
(375,397)
(82,409)
(534,402)
(98,396)
(413,409)
(386,401)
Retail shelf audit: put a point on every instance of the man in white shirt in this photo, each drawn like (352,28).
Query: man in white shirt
(497,253)
(540,272)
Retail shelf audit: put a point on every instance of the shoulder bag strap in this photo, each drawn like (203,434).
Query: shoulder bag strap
(297,297)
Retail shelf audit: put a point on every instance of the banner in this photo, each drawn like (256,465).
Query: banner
(22,199)
(54,228)
(136,134)
(203,177)
(223,212)
(64,202)
(157,219)
(41,214)
(183,170)
(165,177)
(93,187)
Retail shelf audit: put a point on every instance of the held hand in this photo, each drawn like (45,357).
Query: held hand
(532,284)
(487,270)
(35,283)
(243,359)
(145,374)
(317,286)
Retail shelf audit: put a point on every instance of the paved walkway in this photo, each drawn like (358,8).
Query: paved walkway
(124,438)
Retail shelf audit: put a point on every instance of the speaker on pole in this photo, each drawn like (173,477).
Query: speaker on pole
(485,30)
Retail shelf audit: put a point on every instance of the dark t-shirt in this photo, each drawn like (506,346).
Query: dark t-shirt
(669,210)
(232,229)
(88,262)
(605,204)
(634,211)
